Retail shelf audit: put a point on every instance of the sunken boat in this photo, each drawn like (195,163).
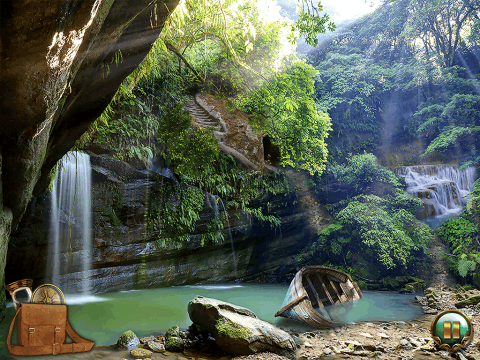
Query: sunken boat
(315,287)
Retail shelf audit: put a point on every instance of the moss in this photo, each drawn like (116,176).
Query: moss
(227,327)
(362,284)
(126,337)
(174,344)
(390,283)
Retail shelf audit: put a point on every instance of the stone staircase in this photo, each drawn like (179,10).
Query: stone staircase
(204,120)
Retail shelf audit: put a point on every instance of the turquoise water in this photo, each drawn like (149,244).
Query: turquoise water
(104,317)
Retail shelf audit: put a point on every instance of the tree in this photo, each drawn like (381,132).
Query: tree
(441,25)
(285,110)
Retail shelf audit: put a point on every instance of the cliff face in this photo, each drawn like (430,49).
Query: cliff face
(124,256)
(54,83)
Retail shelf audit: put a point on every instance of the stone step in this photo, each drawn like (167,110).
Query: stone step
(219,135)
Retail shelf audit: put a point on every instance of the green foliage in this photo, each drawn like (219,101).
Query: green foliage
(392,236)
(284,109)
(449,136)
(174,211)
(310,23)
(188,150)
(375,219)
(463,237)
(175,208)
(459,233)
(363,174)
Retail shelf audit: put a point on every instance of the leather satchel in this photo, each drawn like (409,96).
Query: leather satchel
(41,331)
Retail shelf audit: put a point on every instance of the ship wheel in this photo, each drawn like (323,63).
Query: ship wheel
(48,294)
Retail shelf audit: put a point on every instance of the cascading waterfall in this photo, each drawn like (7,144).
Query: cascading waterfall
(71,219)
(442,188)
(212,202)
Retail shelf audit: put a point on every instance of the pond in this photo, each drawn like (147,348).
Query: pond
(104,317)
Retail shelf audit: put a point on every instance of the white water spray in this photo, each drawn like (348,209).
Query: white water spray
(213,201)
(442,188)
(71,218)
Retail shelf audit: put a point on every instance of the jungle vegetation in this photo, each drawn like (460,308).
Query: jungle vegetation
(398,87)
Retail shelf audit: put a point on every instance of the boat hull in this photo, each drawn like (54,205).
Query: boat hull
(315,287)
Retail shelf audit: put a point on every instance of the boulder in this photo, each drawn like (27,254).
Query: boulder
(174,331)
(237,330)
(156,346)
(174,343)
(128,340)
(472,300)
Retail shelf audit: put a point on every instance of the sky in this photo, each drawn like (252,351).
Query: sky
(342,10)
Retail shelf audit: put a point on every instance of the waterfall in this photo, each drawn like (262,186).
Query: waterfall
(71,220)
(212,202)
(231,238)
(442,188)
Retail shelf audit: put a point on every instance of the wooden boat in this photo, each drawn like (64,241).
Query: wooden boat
(315,287)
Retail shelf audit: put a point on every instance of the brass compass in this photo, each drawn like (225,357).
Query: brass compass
(48,294)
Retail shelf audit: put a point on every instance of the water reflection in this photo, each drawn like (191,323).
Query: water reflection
(376,306)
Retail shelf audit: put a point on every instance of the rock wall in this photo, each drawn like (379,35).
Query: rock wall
(124,257)
(53,60)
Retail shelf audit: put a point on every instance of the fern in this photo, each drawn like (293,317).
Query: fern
(465,266)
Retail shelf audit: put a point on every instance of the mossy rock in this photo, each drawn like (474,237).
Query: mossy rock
(174,331)
(414,287)
(174,343)
(473,300)
(390,283)
(226,327)
(128,340)
(141,353)
(428,291)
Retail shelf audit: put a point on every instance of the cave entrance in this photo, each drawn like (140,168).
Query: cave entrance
(271,153)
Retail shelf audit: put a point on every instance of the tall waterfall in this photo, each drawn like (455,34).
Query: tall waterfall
(441,187)
(212,202)
(70,230)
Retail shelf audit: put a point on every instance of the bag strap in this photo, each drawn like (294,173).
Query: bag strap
(80,344)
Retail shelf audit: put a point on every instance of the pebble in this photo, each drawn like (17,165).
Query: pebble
(404,342)
(327,351)
(383,336)
(367,335)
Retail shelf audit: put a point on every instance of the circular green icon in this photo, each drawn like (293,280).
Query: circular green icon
(452,330)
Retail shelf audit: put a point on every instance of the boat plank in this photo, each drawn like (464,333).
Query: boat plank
(320,303)
(342,297)
(325,289)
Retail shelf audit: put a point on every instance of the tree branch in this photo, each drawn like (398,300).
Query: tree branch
(176,52)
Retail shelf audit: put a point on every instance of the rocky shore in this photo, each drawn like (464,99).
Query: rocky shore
(382,340)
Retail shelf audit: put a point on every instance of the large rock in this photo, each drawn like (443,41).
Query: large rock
(237,330)
(128,340)
(56,78)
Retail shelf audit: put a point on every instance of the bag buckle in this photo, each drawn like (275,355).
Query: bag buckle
(31,330)
(53,350)
(57,329)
